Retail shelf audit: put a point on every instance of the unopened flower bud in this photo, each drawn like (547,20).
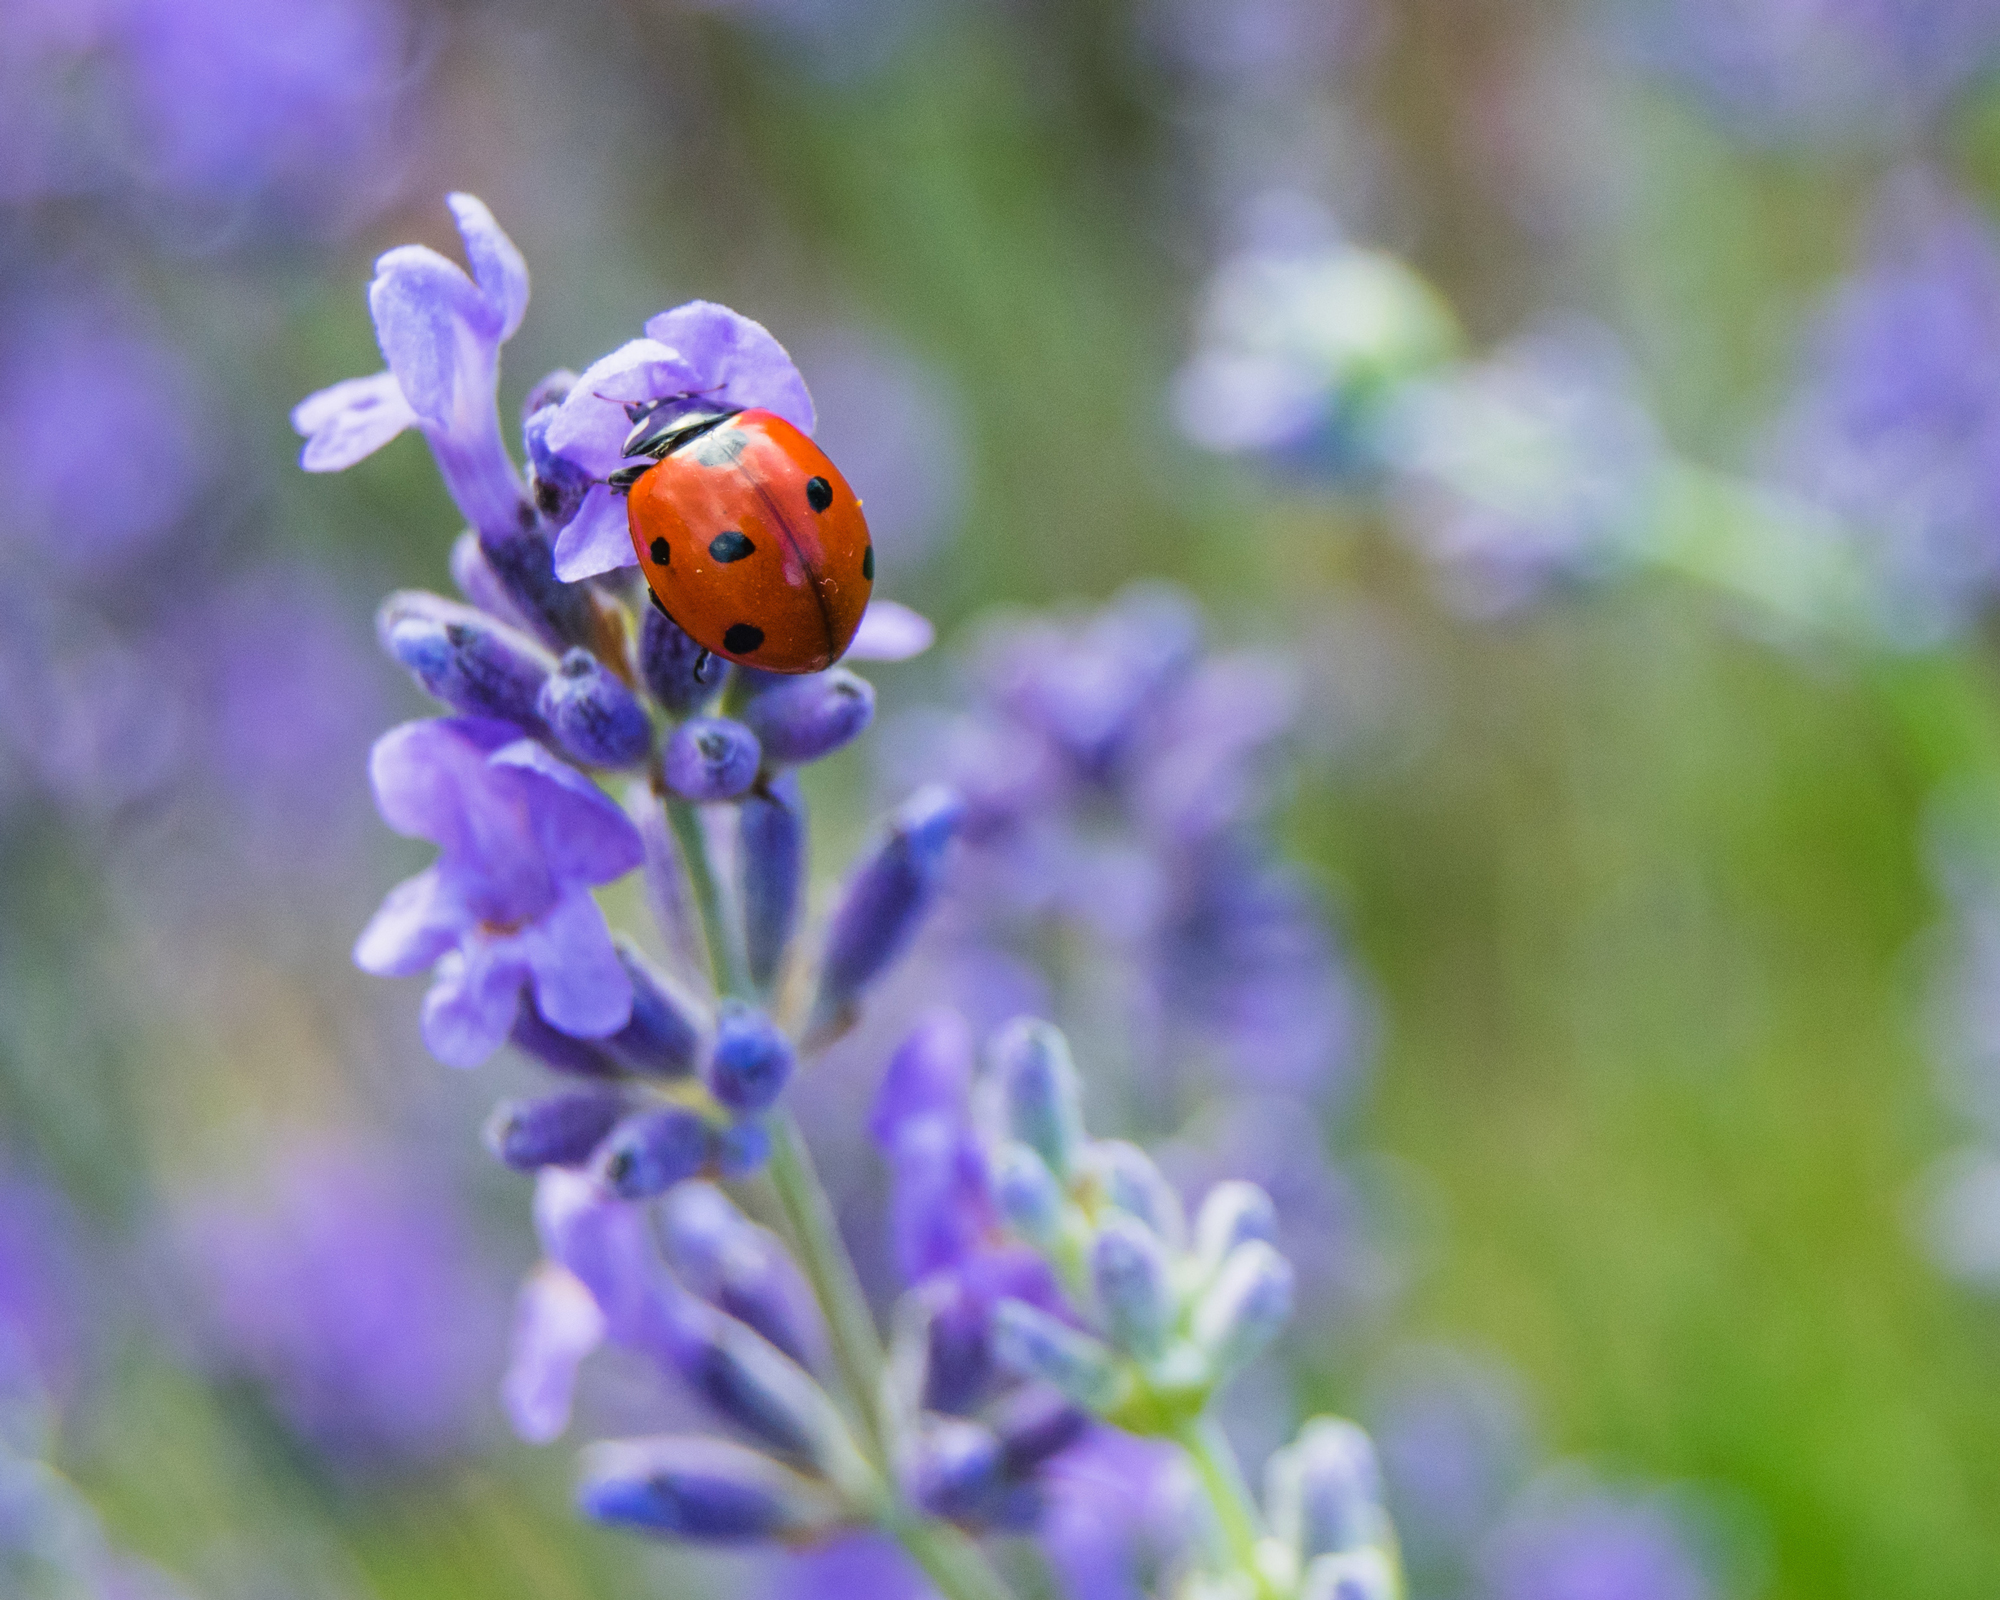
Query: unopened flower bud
(1244,1309)
(559,483)
(1323,1493)
(472,662)
(710,758)
(1027,1194)
(651,1151)
(480,584)
(1128,1269)
(1039,1094)
(594,717)
(1034,1423)
(752,1382)
(707,1490)
(772,865)
(952,1468)
(800,719)
(1032,1344)
(682,676)
(886,898)
(751,1060)
(1136,1186)
(560,1130)
(736,1266)
(739,1149)
(1357,1575)
(663,1038)
(553,1048)
(520,554)
(1232,1213)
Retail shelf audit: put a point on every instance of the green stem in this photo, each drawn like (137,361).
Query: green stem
(1221,1477)
(725,958)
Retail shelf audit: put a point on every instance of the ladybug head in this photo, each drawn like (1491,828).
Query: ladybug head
(660,427)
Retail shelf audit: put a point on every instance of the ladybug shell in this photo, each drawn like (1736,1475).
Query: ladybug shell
(752,541)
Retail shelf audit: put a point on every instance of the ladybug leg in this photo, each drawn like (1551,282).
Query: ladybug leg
(622,480)
(701,665)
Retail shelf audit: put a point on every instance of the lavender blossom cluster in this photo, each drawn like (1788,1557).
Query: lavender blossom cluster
(1054,1296)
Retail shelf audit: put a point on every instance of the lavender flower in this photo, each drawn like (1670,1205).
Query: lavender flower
(507,907)
(1573,1542)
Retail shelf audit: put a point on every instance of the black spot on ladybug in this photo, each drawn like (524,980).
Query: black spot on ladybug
(819,493)
(868,563)
(661,551)
(717,449)
(728,547)
(742,639)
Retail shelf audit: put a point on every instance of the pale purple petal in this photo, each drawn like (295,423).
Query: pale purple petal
(585,834)
(415,926)
(735,361)
(421,771)
(598,539)
(497,265)
(590,426)
(891,632)
(581,987)
(473,1001)
(433,325)
(350,421)
(556,1324)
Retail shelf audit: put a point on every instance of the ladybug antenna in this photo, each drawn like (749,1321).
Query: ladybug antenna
(638,410)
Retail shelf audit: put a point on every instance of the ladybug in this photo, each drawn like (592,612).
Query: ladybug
(749,537)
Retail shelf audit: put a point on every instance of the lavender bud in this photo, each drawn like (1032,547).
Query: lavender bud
(772,864)
(480,584)
(466,658)
(554,1048)
(886,898)
(1324,1492)
(522,557)
(1128,1269)
(667,661)
(559,484)
(1027,1194)
(736,1266)
(1039,1094)
(1137,1187)
(1032,1344)
(711,758)
(558,1131)
(1242,1311)
(1035,1423)
(651,1151)
(750,1381)
(956,1345)
(1357,1575)
(740,1149)
(662,1039)
(952,1468)
(595,718)
(751,1060)
(1232,1213)
(703,1489)
(805,718)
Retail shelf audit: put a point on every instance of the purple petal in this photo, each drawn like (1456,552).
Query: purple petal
(556,1324)
(473,1000)
(581,987)
(891,632)
(735,361)
(585,835)
(431,321)
(412,930)
(590,425)
(598,539)
(497,265)
(421,771)
(350,421)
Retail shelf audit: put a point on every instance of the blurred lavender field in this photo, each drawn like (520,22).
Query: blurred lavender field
(1464,537)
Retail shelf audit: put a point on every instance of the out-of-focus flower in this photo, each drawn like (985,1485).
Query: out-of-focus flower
(1896,424)
(1532,471)
(1258,48)
(1298,351)
(44,1323)
(352,1291)
(1570,1541)
(1790,69)
(507,908)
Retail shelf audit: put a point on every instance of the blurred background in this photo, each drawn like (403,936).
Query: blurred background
(1593,407)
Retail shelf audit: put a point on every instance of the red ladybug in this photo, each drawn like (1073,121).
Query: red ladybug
(748,535)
